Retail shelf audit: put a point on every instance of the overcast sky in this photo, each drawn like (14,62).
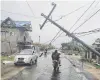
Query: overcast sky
(63,8)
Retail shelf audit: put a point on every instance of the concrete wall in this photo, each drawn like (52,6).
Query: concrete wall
(13,36)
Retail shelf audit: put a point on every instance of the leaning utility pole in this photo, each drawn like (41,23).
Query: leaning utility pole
(67,32)
(48,15)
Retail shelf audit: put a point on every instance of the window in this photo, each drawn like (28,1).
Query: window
(26,52)
(24,38)
(2,33)
(98,45)
(8,22)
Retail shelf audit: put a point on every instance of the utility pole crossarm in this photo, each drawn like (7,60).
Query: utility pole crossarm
(41,26)
(68,33)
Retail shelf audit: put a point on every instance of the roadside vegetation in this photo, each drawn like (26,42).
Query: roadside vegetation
(44,46)
(97,66)
(7,58)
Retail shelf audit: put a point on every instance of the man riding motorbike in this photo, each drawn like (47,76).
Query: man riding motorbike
(56,56)
(45,52)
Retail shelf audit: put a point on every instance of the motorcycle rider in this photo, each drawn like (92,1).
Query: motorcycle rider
(56,56)
(45,51)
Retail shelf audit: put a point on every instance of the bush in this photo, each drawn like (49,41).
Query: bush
(9,58)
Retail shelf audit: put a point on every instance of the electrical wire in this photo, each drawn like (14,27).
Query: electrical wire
(83,33)
(75,22)
(87,34)
(97,3)
(81,24)
(17,13)
(82,15)
(21,14)
(86,20)
(80,34)
(79,17)
(55,36)
(91,31)
(30,9)
(63,16)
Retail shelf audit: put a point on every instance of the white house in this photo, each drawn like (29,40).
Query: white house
(13,33)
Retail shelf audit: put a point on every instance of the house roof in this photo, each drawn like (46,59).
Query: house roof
(17,24)
(22,23)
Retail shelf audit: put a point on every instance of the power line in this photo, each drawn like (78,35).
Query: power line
(41,17)
(21,14)
(82,23)
(89,32)
(46,41)
(78,19)
(30,8)
(82,15)
(87,20)
(55,36)
(70,13)
(81,33)
(97,3)
(63,17)
(17,13)
(86,34)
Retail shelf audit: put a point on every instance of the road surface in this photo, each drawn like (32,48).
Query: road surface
(44,70)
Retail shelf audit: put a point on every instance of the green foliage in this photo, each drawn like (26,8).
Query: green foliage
(73,45)
(97,66)
(11,58)
(44,46)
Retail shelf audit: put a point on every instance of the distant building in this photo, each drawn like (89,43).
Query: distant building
(92,56)
(14,34)
(96,46)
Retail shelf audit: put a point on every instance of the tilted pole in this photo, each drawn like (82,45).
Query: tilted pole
(68,33)
(41,26)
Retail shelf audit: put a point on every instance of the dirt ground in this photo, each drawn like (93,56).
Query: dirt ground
(93,70)
(88,67)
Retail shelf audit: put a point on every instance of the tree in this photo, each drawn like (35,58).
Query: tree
(44,46)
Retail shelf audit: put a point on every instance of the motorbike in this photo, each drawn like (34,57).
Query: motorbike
(56,65)
(45,53)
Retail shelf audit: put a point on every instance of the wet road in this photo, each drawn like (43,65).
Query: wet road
(44,70)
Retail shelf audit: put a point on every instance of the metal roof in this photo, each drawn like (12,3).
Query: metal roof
(22,23)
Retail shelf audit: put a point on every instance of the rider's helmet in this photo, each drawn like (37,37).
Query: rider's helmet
(56,51)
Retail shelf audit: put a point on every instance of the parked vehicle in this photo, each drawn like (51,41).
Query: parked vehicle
(26,56)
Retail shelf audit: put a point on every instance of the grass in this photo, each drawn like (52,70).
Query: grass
(3,58)
(97,66)
(94,64)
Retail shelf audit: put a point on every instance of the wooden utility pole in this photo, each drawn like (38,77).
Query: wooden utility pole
(68,33)
(54,5)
